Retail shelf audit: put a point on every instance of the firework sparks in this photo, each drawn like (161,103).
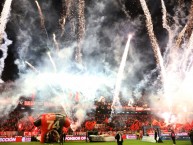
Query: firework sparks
(190,43)
(190,21)
(180,36)
(187,57)
(31,66)
(42,21)
(62,24)
(155,46)
(4,17)
(52,61)
(56,43)
(81,30)
(124,9)
(41,15)
(187,28)
(120,76)
(165,23)
(3,36)
(66,6)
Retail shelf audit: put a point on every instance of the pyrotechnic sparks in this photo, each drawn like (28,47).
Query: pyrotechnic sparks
(179,67)
(31,66)
(124,8)
(3,36)
(66,6)
(116,101)
(42,21)
(187,30)
(155,46)
(56,43)
(4,17)
(180,36)
(190,21)
(165,23)
(81,30)
(52,61)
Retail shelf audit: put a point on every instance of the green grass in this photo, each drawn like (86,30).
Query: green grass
(126,142)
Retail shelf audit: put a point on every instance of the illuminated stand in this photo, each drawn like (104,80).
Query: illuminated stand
(51,122)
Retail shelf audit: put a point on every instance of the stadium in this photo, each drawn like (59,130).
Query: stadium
(137,123)
(96,72)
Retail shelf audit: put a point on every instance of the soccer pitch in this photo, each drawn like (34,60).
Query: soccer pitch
(126,142)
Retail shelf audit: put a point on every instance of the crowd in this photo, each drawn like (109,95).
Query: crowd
(9,123)
(23,121)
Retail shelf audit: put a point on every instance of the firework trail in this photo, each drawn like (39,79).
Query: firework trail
(180,36)
(66,6)
(155,46)
(42,21)
(62,20)
(62,24)
(187,28)
(124,9)
(190,43)
(165,23)
(81,30)
(52,61)
(4,17)
(190,21)
(187,56)
(4,49)
(72,16)
(56,43)
(31,66)
(41,15)
(186,61)
(190,48)
(3,36)
(119,76)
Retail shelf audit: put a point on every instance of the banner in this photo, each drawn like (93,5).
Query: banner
(15,139)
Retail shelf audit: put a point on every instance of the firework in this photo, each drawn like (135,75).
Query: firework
(190,22)
(56,43)
(42,21)
(124,9)
(4,17)
(165,23)
(52,61)
(31,66)
(41,15)
(155,46)
(66,6)
(187,30)
(81,29)
(120,76)
(3,21)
